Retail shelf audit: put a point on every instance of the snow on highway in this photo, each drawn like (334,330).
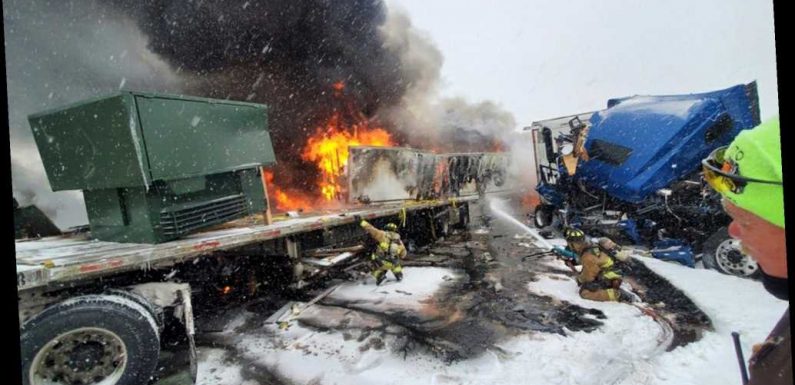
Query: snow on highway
(733,304)
(356,343)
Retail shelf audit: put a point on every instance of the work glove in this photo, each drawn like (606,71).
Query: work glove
(358,219)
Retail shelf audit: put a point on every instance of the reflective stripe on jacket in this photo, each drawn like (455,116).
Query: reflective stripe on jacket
(596,265)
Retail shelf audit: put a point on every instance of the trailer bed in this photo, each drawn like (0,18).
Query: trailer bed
(67,258)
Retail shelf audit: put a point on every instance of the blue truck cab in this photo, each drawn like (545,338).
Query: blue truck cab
(633,172)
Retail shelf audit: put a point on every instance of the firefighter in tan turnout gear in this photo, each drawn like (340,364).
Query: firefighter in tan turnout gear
(598,279)
(389,250)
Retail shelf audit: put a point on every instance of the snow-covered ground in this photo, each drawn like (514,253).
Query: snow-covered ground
(625,350)
(215,368)
(733,304)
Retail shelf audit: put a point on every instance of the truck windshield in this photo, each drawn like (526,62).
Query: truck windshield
(609,152)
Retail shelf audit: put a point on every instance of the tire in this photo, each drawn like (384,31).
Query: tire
(543,216)
(723,253)
(75,342)
(155,311)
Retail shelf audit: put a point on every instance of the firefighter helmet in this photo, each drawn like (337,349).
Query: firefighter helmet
(390,227)
(573,234)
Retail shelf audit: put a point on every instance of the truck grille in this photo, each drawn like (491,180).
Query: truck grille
(182,219)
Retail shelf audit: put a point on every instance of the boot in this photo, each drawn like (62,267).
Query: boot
(625,296)
(380,279)
(399,276)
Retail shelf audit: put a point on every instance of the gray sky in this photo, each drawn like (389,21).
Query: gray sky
(545,58)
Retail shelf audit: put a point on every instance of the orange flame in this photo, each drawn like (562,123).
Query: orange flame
(530,200)
(285,201)
(338,86)
(327,148)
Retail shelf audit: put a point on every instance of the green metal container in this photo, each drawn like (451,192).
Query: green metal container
(154,167)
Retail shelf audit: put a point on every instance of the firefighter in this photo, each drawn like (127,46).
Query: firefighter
(388,252)
(598,280)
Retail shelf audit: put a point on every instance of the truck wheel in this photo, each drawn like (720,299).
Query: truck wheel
(92,339)
(724,254)
(155,311)
(543,216)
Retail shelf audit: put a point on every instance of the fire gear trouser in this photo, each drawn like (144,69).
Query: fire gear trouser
(601,290)
(603,295)
(384,265)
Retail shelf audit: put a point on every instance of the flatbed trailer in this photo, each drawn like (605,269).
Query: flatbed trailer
(179,213)
(60,260)
(56,275)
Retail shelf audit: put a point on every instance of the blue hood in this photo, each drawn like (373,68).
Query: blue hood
(641,144)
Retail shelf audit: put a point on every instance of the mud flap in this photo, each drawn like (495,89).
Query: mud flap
(179,365)
(190,331)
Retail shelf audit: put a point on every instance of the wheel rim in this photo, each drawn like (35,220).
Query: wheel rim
(80,357)
(730,257)
(542,218)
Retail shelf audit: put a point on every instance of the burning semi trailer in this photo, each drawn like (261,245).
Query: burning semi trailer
(351,159)
(175,188)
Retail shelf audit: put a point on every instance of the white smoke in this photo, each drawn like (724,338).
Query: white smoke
(450,124)
(57,53)
(385,185)
(522,164)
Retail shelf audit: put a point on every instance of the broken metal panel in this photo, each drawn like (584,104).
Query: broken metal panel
(387,173)
(549,135)
(293,309)
(466,170)
(392,173)
(329,261)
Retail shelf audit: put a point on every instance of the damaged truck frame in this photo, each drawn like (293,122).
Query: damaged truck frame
(633,172)
(103,307)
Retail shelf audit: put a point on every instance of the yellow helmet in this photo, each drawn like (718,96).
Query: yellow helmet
(390,227)
(572,234)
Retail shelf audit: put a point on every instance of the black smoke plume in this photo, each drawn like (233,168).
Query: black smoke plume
(286,54)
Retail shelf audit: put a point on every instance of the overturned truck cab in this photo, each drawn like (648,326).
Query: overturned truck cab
(632,171)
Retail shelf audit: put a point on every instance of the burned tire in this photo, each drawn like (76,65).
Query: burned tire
(724,254)
(93,339)
(543,216)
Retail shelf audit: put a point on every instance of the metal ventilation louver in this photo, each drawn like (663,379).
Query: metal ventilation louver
(182,219)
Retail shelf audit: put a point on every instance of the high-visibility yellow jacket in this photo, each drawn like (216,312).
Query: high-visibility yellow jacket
(389,243)
(596,265)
